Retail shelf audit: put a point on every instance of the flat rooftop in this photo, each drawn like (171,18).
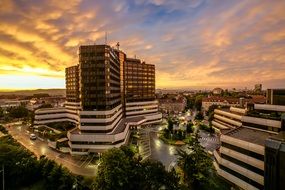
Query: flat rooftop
(119,128)
(123,123)
(135,119)
(250,135)
(227,109)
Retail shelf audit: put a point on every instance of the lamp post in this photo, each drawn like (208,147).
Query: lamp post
(3,177)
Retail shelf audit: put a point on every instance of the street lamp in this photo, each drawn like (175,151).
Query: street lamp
(3,176)
(75,185)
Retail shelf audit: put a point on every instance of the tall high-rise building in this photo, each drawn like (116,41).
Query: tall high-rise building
(107,93)
(140,81)
(72,83)
(99,77)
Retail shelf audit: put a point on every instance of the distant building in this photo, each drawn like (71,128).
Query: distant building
(172,104)
(217,91)
(220,101)
(258,87)
(275,96)
(231,101)
(12,103)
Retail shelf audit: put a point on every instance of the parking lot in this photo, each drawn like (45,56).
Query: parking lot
(86,161)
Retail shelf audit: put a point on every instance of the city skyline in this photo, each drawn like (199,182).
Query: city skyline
(193,44)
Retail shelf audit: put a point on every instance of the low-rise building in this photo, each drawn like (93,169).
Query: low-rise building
(4,104)
(231,101)
(217,91)
(172,104)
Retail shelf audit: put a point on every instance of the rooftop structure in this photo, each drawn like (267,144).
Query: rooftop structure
(258,87)
(217,91)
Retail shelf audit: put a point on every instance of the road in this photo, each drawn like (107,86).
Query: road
(161,151)
(84,166)
(166,153)
(79,166)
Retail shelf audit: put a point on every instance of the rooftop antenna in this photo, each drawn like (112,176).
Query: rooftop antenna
(106,38)
(118,45)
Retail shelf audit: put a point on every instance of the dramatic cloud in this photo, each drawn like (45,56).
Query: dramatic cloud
(193,43)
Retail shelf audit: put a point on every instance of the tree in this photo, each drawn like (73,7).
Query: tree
(1,112)
(190,102)
(211,117)
(20,165)
(189,127)
(198,102)
(121,169)
(199,116)
(157,177)
(211,109)
(207,128)
(116,171)
(22,169)
(170,125)
(18,112)
(195,163)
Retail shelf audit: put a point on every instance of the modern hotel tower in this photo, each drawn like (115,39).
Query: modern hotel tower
(107,93)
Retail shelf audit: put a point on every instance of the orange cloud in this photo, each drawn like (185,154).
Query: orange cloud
(192,43)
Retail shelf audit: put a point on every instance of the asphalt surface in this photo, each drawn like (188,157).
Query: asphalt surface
(83,165)
(161,151)
(167,153)
(80,165)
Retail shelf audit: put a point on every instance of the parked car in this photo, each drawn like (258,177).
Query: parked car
(33,136)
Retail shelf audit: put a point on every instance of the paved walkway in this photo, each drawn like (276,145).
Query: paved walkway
(210,142)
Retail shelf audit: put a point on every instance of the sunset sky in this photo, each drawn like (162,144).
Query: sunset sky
(193,43)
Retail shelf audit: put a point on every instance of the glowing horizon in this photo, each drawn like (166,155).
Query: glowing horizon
(195,44)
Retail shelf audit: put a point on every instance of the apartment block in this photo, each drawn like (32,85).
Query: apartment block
(113,94)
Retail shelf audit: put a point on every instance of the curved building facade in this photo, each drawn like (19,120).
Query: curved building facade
(107,94)
(244,132)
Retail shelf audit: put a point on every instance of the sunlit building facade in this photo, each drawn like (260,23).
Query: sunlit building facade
(72,83)
(107,106)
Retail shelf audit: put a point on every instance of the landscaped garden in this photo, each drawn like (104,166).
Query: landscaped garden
(177,132)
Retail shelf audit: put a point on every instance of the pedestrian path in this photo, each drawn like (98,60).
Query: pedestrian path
(207,139)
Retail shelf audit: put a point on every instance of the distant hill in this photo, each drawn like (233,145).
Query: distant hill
(51,92)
